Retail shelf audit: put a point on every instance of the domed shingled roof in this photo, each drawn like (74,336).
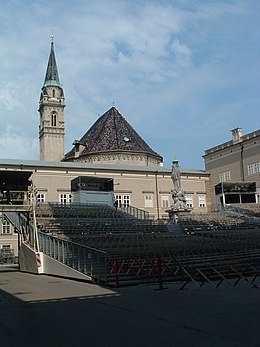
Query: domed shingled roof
(112,133)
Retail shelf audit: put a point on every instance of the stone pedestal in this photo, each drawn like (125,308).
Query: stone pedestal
(175,214)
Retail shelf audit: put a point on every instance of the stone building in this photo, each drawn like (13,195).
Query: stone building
(146,187)
(235,162)
(110,148)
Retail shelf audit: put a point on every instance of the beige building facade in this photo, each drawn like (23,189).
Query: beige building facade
(235,161)
(147,188)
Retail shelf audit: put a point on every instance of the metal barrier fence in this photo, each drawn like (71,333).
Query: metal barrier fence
(101,267)
(89,261)
(197,270)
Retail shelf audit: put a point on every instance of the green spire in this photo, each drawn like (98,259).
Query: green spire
(52,76)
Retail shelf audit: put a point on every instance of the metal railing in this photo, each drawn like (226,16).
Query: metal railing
(134,211)
(89,261)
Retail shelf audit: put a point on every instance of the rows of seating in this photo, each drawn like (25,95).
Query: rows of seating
(75,211)
(196,222)
(105,228)
(95,226)
(84,220)
(246,209)
(165,243)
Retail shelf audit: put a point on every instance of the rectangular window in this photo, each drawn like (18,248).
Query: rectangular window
(126,200)
(224,176)
(123,199)
(257,167)
(148,200)
(253,168)
(6,247)
(189,200)
(202,200)
(165,201)
(6,226)
(40,198)
(250,169)
(119,199)
(65,198)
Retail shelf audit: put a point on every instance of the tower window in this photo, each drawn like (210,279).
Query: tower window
(53,120)
(53,93)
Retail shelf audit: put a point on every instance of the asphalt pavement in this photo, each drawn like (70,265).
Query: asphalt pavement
(45,311)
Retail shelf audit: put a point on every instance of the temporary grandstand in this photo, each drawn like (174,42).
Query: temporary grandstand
(122,246)
(119,247)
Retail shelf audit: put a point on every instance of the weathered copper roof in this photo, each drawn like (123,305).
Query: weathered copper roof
(52,76)
(112,133)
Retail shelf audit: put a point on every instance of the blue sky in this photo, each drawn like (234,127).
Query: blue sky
(182,72)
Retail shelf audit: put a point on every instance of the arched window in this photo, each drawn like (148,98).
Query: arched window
(53,93)
(53,120)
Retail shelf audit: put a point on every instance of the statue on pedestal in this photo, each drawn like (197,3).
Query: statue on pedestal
(176,175)
(179,207)
(178,196)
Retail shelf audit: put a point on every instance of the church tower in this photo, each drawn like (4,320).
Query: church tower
(51,129)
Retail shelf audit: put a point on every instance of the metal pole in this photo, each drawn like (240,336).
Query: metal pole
(242,162)
(157,197)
